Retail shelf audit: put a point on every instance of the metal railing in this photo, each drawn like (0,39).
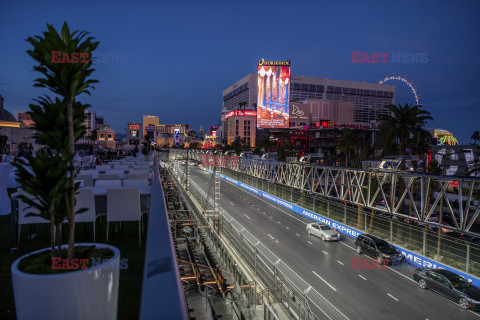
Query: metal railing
(162,292)
(460,254)
(458,196)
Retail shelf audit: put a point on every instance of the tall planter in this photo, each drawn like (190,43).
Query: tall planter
(83,294)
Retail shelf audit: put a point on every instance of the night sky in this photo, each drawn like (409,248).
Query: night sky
(175,58)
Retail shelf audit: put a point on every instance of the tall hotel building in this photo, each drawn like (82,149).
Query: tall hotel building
(369,99)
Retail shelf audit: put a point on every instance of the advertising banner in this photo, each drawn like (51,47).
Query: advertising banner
(244,113)
(273,94)
(177,136)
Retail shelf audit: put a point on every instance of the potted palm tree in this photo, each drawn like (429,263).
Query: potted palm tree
(77,281)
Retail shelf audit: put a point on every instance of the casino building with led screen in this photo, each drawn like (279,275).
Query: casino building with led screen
(369,99)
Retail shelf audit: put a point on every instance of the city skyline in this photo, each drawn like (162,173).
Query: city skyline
(174,61)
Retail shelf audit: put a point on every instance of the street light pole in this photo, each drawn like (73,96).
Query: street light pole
(440,216)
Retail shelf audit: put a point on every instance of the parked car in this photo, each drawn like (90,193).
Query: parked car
(377,248)
(324,231)
(450,285)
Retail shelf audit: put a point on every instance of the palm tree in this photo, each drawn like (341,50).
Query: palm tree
(347,143)
(475,136)
(265,143)
(404,123)
(404,126)
(68,80)
(93,135)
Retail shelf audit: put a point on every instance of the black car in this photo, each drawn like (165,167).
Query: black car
(450,285)
(377,248)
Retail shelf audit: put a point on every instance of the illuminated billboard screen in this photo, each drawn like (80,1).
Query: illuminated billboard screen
(273,94)
(134,126)
(177,136)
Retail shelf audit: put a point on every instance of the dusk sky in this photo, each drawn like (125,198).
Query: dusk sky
(176,57)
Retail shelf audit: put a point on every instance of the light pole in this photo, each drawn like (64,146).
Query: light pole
(440,216)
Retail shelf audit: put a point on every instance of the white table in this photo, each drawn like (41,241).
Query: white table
(5,206)
(102,190)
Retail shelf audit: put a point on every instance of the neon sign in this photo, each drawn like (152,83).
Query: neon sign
(241,113)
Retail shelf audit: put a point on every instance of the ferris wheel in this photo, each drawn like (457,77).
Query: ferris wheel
(403,79)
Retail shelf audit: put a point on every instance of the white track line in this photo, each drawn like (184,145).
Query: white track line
(309,242)
(231,203)
(340,262)
(287,228)
(347,245)
(328,284)
(298,235)
(388,294)
(271,236)
(247,216)
(325,252)
(401,274)
(362,277)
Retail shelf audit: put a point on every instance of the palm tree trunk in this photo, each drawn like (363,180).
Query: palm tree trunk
(360,218)
(71,202)
(58,231)
(52,233)
(370,226)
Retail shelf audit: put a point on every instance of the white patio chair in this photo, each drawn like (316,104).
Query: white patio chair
(137,167)
(81,183)
(113,171)
(103,167)
(87,179)
(129,176)
(124,205)
(135,182)
(92,172)
(138,172)
(107,176)
(121,167)
(86,199)
(23,210)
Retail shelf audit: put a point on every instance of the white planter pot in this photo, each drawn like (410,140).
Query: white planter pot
(84,294)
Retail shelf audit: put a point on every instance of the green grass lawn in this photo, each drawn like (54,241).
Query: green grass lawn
(125,240)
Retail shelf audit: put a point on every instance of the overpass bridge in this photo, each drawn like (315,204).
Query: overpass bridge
(271,240)
(424,195)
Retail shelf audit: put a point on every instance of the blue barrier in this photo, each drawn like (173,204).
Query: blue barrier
(409,256)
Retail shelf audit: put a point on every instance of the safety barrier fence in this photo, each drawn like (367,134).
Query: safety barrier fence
(281,284)
(420,246)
